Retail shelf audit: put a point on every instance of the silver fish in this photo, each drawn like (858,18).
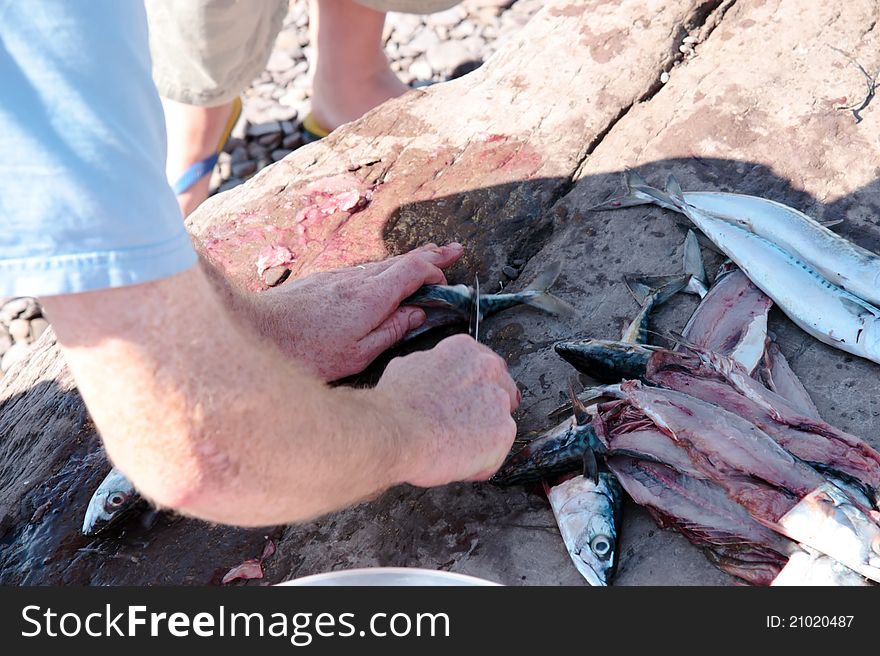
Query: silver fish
(809,567)
(827,521)
(459,297)
(825,311)
(114,497)
(587,514)
(837,259)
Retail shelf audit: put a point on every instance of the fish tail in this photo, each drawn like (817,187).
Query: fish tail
(543,299)
(693,266)
(638,192)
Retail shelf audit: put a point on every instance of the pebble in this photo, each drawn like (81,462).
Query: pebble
(292,141)
(510,272)
(262,129)
(447,18)
(280,154)
(421,70)
(269,141)
(19,329)
(279,61)
(447,55)
(244,169)
(404,26)
(12,309)
(275,275)
(664,77)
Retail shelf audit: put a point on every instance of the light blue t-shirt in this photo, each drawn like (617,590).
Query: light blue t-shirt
(84,203)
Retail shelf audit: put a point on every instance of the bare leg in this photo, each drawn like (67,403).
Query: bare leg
(193,134)
(351,72)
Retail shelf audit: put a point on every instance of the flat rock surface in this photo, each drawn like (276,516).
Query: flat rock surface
(507,160)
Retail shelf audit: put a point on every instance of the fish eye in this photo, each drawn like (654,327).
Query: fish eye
(116,499)
(601,546)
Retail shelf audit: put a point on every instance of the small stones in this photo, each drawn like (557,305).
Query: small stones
(664,77)
(510,272)
(292,141)
(421,70)
(446,56)
(21,323)
(276,275)
(244,169)
(422,50)
(269,141)
(262,129)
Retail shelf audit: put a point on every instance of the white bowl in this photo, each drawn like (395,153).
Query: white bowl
(372,576)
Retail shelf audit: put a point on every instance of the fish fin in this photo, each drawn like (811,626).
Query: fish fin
(545,280)
(638,192)
(581,416)
(544,300)
(639,287)
(830,224)
(693,258)
(551,304)
(634,179)
(591,467)
(673,189)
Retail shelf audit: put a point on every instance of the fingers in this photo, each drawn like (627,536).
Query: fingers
(391,331)
(439,256)
(407,274)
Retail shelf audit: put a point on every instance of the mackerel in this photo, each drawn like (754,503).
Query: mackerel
(836,258)
(827,312)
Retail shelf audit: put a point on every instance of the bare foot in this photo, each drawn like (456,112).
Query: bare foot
(193,134)
(352,75)
(336,101)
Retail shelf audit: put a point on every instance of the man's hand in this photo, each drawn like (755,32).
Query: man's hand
(336,323)
(455,403)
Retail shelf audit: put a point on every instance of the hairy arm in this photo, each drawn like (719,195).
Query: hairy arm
(208,417)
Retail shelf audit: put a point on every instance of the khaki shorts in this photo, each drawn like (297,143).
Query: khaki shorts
(206,52)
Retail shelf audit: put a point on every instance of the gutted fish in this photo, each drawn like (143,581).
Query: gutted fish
(114,497)
(810,567)
(731,320)
(776,375)
(702,511)
(588,514)
(827,521)
(824,447)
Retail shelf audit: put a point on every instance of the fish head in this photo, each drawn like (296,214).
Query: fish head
(113,498)
(606,360)
(596,556)
(587,515)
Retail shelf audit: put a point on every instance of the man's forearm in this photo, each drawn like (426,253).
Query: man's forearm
(213,421)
